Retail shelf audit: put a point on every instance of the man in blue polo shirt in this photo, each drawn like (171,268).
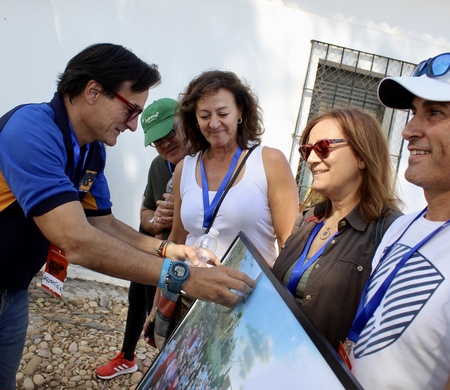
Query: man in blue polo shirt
(53,190)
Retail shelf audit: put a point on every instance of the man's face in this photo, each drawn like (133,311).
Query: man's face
(428,136)
(171,148)
(108,117)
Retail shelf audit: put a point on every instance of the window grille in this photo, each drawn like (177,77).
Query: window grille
(342,77)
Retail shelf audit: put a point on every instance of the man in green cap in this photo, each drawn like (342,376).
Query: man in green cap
(162,131)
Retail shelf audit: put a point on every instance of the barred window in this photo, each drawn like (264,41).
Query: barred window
(342,77)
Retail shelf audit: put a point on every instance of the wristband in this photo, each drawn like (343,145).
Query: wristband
(163,275)
(164,248)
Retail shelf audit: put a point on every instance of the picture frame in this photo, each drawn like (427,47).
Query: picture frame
(265,342)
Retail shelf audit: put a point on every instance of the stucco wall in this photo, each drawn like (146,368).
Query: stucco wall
(265,42)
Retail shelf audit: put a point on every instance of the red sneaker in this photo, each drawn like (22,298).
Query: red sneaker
(117,366)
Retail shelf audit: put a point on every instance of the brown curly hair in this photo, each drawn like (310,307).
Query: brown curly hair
(209,83)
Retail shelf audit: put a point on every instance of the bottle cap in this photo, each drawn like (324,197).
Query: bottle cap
(214,232)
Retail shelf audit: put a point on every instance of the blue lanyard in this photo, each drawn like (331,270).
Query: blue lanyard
(79,157)
(301,267)
(169,165)
(208,209)
(364,313)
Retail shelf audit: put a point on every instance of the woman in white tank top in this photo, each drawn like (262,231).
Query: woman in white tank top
(221,120)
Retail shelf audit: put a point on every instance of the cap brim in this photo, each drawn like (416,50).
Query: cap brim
(158,131)
(399,92)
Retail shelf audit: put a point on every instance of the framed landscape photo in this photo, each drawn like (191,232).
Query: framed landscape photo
(265,342)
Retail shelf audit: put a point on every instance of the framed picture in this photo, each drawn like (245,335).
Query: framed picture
(265,342)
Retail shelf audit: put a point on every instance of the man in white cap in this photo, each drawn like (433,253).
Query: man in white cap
(402,329)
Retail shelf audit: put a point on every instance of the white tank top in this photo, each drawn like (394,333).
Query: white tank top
(244,208)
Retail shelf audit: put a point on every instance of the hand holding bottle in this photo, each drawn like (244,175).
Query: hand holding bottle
(169,188)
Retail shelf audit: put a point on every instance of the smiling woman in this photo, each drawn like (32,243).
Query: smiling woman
(221,120)
(327,259)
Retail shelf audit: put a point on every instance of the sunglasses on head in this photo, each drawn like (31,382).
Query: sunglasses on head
(433,67)
(322,148)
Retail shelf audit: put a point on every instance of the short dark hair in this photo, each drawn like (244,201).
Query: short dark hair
(208,83)
(110,65)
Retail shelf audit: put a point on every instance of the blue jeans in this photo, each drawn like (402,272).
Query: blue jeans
(13,331)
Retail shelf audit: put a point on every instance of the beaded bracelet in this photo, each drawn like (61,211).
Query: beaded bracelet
(164,248)
(164,274)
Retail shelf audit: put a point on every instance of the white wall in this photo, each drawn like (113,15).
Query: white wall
(266,42)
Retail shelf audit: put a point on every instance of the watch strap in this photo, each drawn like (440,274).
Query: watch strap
(164,274)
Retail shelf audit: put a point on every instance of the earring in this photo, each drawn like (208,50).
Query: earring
(239,121)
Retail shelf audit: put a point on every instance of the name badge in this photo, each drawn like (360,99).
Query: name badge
(55,271)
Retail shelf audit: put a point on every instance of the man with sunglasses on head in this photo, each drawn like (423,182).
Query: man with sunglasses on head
(402,329)
(53,190)
(162,131)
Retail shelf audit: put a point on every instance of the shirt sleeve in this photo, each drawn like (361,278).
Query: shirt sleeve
(33,160)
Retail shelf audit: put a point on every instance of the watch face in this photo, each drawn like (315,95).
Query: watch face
(179,271)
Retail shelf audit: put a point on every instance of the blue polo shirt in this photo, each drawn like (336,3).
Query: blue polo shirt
(39,155)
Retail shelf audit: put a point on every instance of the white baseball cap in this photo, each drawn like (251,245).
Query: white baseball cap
(399,92)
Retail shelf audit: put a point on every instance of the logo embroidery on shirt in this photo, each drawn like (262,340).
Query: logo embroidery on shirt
(87,181)
(413,286)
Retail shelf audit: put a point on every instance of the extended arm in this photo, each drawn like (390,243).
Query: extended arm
(110,248)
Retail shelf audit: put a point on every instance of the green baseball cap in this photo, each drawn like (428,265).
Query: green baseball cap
(157,119)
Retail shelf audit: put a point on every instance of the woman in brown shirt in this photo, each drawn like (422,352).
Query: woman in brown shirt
(327,259)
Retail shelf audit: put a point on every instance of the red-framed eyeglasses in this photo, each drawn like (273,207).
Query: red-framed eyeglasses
(134,110)
(322,148)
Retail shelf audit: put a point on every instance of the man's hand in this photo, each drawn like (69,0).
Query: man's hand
(163,217)
(215,285)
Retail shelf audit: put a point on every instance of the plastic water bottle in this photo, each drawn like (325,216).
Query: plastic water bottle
(169,188)
(206,241)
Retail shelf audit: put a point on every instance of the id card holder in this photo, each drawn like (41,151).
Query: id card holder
(55,271)
(343,354)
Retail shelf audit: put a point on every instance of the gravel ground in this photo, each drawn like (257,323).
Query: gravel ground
(69,338)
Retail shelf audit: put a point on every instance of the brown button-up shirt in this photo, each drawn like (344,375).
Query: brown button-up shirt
(336,280)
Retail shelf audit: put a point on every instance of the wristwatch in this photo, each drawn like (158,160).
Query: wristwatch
(177,274)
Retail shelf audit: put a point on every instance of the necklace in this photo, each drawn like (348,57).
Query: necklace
(326,233)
